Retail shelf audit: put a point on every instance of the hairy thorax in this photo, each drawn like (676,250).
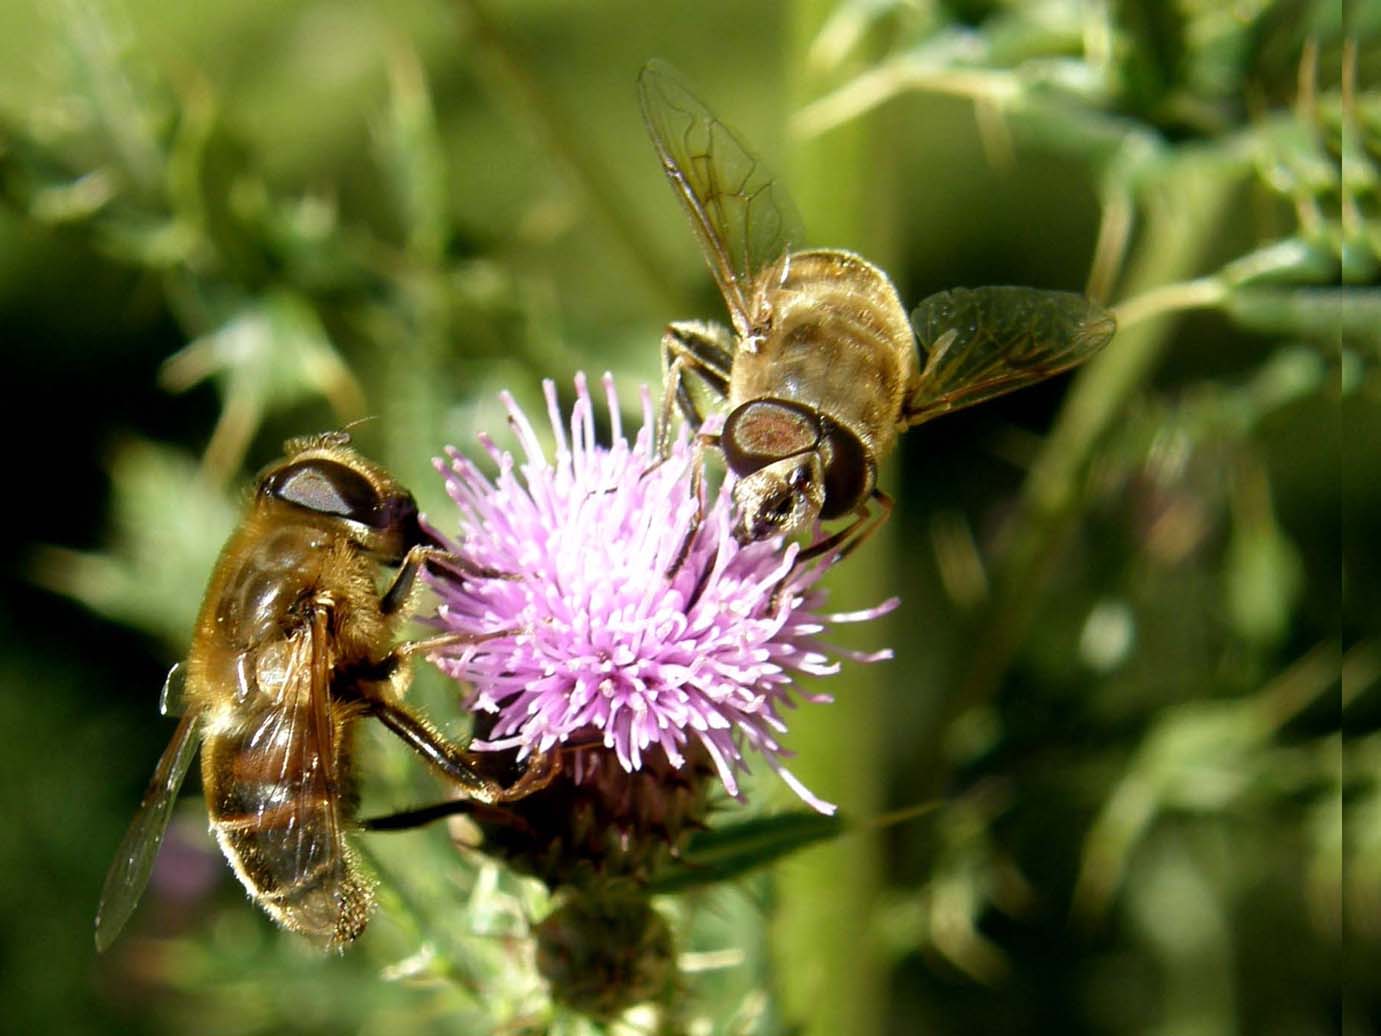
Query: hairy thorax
(276,577)
(836,339)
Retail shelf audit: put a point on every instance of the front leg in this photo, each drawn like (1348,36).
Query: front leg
(845,541)
(396,597)
(853,535)
(400,590)
(697,489)
(703,350)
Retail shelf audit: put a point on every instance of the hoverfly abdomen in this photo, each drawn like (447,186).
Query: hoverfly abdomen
(276,808)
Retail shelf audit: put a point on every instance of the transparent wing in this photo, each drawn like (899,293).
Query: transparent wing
(133,863)
(744,220)
(172,701)
(977,343)
(296,828)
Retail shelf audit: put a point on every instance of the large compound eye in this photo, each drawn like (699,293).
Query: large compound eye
(328,487)
(762,431)
(849,472)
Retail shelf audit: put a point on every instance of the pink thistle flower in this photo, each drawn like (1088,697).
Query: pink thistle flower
(596,635)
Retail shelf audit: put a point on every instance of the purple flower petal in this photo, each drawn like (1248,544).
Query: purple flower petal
(591,641)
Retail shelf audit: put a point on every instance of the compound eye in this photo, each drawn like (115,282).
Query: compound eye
(327,487)
(762,431)
(849,473)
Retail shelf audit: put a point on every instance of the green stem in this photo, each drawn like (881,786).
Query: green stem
(560,133)
(832,978)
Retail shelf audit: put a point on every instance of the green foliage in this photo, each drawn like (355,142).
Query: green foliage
(1130,688)
(728,851)
(168,523)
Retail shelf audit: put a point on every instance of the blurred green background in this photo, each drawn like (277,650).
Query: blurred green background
(1126,658)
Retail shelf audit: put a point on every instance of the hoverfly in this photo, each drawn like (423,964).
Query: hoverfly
(293,644)
(822,369)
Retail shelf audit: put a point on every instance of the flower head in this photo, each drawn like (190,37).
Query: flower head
(613,618)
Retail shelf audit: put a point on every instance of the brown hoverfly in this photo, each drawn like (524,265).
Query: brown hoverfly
(822,369)
(294,642)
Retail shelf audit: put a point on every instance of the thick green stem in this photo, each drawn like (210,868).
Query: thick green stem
(832,977)
(561,135)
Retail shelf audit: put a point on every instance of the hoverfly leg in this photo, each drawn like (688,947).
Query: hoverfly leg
(845,541)
(464,567)
(541,770)
(703,351)
(396,597)
(406,820)
(702,443)
(853,535)
(691,348)
(424,739)
(441,640)
(455,762)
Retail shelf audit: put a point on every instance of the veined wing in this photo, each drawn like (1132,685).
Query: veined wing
(977,343)
(744,220)
(172,700)
(289,797)
(133,863)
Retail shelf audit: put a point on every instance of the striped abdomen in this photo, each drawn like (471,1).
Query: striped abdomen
(280,812)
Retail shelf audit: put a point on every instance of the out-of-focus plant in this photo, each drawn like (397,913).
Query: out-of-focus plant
(1151,509)
(270,288)
(1118,699)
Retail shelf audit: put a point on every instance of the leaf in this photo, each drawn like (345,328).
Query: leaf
(169,525)
(730,852)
